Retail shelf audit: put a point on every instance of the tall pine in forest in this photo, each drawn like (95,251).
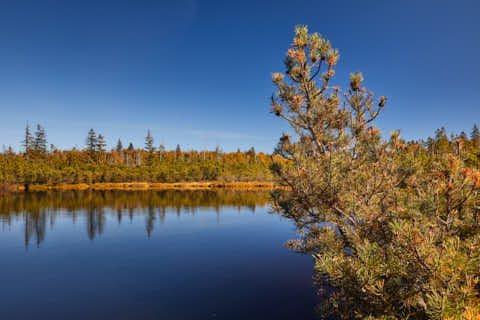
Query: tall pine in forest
(91,141)
(475,136)
(28,141)
(119,146)
(149,143)
(149,146)
(101,144)
(178,152)
(40,141)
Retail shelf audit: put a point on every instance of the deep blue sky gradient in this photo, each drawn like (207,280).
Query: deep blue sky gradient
(198,72)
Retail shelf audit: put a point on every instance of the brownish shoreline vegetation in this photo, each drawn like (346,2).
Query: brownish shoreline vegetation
(40,167)
(201,185)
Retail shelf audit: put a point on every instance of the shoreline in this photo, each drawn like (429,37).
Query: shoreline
(202,185)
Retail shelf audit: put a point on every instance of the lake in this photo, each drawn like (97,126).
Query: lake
(149,255)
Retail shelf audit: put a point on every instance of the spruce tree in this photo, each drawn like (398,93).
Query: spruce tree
(101,145)
(28,142)
(130,147)
(475,136)
(119,146)
(178,152)
(40,142)
(149,147)
(149,143)
(91,141)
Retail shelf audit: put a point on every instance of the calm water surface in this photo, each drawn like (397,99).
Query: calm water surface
(149,255)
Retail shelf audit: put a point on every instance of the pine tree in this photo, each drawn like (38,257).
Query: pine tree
(119,147)
(91,141)
(130,147)
(28,141)
(178,152)
(475,136)
(101,145)
(149,147)
(149,143)
(391,238)
(40,142)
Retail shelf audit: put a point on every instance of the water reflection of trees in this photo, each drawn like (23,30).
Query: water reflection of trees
(37,209)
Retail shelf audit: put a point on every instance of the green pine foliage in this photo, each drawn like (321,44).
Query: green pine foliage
(28,141)
(91,141)
(40,141)
(101,145)
(119,146)
(393,226)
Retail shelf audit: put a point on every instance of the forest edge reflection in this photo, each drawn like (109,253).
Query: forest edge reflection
(39,209)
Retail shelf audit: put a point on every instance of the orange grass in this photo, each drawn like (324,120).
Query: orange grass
(202,185)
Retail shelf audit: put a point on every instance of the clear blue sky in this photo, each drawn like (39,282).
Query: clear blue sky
(198,72)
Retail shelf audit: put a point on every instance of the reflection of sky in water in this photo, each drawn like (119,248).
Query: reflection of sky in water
(227,262)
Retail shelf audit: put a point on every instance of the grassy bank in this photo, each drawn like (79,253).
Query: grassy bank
(202,185)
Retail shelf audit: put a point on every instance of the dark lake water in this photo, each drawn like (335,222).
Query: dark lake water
(149,255)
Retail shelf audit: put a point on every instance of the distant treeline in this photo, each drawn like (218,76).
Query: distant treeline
(40,164)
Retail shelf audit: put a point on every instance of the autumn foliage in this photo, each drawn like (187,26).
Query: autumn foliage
(58,167)
(394,227)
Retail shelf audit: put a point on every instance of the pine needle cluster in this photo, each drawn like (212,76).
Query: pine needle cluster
(394,235)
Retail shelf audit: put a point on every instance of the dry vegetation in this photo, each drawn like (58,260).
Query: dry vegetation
(201,185)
